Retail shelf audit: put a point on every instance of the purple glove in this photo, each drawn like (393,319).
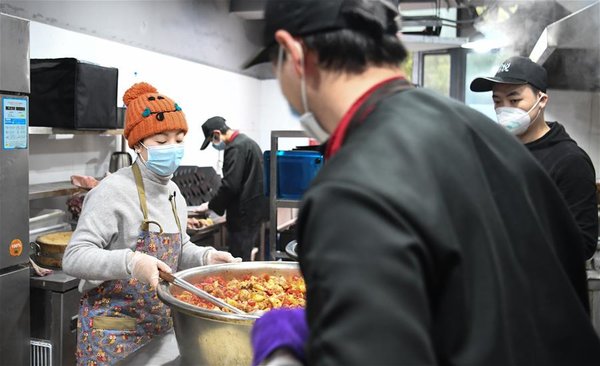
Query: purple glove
(279,328)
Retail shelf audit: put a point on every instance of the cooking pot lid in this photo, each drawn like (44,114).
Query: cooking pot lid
(58,238)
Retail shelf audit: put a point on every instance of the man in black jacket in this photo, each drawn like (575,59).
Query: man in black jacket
(519,94)
(430,236)
(241,191)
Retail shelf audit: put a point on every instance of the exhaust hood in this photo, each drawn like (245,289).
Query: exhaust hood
(569,49)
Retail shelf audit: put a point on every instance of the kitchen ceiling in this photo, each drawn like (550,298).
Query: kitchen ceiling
(520,23)
(224,33)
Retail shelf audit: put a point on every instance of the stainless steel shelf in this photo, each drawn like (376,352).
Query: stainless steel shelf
(288,133)
(287,203)
(64,131)
(45,190)
(56,189)
(275,203)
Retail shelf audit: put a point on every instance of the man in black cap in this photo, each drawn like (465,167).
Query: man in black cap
(241,191)
(519,94)
(429,236)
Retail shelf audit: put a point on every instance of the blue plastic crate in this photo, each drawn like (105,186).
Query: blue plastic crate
(295,171)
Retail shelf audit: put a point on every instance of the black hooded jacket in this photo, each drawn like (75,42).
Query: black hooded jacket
(241,191)
(573,172)
(433,237)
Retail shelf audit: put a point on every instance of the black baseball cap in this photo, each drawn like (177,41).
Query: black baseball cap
(516,70)
(211,124)
(306,17)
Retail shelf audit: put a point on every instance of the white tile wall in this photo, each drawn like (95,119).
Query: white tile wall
(253,106)
(54,160)
(275,114)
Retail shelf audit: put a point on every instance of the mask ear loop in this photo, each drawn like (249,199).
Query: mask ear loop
(139,153)
(303,85)
(279,60)
(214,137)
(302,77)
(539,110)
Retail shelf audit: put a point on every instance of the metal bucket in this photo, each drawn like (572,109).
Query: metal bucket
(207,337)
(49,248)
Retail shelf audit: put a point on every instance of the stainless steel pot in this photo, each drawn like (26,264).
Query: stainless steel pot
(208,337)
(48,249)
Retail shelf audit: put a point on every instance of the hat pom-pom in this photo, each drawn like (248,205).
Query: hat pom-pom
(137,90)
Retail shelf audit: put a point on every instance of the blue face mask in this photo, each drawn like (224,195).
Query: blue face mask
(294,112)
(165,159)
(220,146)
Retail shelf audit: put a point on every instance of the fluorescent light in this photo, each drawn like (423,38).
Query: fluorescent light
(61,136)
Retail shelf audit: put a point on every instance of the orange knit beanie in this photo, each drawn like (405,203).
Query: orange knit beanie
(149,113)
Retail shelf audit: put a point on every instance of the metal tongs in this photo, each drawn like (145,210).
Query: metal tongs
(177,281)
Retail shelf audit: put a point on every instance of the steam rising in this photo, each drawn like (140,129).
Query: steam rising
(522,23)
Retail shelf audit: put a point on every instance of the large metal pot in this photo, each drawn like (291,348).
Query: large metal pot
(48,249)
(207,337)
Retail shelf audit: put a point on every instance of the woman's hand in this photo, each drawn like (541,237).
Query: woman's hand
(145,268)
(216,256)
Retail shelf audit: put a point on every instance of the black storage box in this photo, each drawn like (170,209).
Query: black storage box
(68,93)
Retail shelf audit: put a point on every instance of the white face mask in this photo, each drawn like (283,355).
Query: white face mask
(307,120)
(515,120)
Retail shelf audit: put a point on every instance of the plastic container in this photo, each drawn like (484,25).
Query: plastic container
(295,171)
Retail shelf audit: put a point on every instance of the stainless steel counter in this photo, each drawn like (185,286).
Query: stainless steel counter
(57,281)
(161,351)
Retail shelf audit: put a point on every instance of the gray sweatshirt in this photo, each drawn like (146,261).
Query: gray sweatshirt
(110,223)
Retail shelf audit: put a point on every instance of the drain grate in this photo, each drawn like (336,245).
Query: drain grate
(40,353)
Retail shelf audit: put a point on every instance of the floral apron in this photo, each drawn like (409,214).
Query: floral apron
(119,316)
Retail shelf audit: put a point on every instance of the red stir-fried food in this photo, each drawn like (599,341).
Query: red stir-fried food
(251,293)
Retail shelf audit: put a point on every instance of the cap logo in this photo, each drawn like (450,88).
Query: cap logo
(504,67)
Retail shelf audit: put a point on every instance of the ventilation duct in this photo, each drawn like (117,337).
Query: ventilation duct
(569,49)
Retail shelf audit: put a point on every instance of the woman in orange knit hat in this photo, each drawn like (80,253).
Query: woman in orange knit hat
(129,229)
